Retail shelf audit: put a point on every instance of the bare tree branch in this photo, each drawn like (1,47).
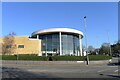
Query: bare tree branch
(8,46)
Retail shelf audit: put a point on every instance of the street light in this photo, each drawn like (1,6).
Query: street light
(87,59)
(17,57)
(109,45)
(97,51)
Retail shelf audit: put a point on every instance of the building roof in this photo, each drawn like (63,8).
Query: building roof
(52,30)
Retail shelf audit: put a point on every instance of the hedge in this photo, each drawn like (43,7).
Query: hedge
(55,58)
(23,57)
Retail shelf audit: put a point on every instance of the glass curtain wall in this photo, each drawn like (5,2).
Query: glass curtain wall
(70,44)
(50,44)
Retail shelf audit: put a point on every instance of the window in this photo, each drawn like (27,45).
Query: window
(9,46)
(70,44)
(50,42)
(20,46)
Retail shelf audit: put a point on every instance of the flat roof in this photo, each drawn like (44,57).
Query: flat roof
(52,30)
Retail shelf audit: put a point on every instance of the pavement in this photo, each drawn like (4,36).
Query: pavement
(75,70)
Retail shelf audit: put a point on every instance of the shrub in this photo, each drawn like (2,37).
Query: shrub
(68,58)
(55,58)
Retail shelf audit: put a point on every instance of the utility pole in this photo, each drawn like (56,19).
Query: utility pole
(97,44)
(87,57)
(109,45)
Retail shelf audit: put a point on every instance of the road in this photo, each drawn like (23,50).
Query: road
(60,71)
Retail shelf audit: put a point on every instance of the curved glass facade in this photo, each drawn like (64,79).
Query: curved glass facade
(51,44)
(70,44)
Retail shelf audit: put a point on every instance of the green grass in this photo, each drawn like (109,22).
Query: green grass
(99,57)
(55,58)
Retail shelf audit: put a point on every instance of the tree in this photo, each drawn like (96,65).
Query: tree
(116,48)
(105,49)
(8,46)
(90,48)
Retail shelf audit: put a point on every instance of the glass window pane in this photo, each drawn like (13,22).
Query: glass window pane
(20,46)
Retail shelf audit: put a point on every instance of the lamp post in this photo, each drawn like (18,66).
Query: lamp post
(17,57)
(87,57)
(97,45)
(109,45)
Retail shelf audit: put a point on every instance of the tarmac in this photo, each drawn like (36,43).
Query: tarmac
(59,70)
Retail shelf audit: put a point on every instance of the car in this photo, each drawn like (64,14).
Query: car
(113,55)
(118,61)
(116,55)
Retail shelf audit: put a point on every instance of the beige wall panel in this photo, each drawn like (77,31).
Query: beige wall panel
(31,46)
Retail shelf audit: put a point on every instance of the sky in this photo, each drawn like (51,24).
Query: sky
(23,18)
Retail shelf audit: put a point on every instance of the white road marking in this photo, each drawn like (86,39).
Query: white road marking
(116,71)
(35,70)
(101,70)
(114,74)
(112,66)
(104,70)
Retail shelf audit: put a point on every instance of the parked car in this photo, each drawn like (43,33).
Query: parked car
(116,55)
(113,55)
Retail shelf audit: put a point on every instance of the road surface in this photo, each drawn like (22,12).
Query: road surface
(60,71)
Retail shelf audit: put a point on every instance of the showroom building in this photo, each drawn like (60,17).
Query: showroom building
(53,41)
(59,41)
